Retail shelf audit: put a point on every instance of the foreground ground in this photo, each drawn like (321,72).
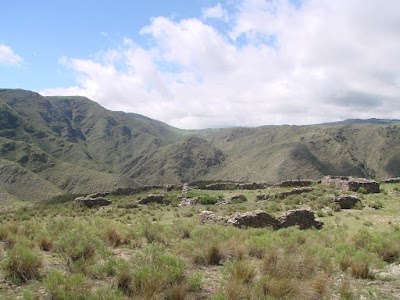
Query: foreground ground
(58,250)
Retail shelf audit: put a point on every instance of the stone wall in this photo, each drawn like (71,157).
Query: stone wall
(352,184)
(221,186)
(296,183)
(391,180)
(302,218)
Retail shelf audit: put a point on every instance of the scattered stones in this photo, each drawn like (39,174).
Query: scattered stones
(303,218)
(347,201)
(189,201)
(94,200)
(255,219)
(207,216)
(263,196)
(152,198)
(185,188)
(234,199)
(347,183)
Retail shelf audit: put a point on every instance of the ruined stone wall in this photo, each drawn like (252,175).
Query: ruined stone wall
(352,184)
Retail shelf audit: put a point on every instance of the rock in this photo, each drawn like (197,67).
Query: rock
(207,216)
(93,200)
(347,201)
(96,195)
(256,219)
(303,218)
(189,201)
(152,198)
(168,187)
(263,196)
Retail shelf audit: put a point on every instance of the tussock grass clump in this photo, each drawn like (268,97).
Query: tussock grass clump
(22,263)
(360,269)
(152,273)
(60,286)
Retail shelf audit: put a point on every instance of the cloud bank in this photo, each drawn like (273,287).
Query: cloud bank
(252,63)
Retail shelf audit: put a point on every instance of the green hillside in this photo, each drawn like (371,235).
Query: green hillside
(51,145)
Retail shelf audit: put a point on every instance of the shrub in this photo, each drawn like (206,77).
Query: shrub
(22,263)
(206,200)
(60,286)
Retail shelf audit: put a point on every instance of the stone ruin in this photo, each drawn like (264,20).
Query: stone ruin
(282,195)
(189,201)
(391,180)
(233,186)
(303,218)
(254,219)
(295,183)
(145,188)
(94,200)
(347,201)
(347,183)
(152,198)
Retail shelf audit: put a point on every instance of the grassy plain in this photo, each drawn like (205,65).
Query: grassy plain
(58,250)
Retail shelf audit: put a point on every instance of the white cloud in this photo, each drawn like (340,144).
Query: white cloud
(8,57)
(279,63)
(215,12)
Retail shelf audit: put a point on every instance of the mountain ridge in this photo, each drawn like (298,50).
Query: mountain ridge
(72,144)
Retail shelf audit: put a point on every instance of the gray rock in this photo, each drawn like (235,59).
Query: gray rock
(93,200)
(347,201)
(207,216)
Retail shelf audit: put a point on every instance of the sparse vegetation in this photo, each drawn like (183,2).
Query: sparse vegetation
(160,251)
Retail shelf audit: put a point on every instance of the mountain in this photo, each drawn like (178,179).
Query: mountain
(53,145)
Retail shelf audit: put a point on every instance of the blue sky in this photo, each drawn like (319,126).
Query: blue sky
(43,31)
(210,63)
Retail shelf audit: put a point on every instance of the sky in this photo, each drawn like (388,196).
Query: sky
(208,63)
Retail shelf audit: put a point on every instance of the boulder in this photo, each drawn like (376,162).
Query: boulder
(256,219)
(93,200)
(303,218)
(152,198)
(347,201)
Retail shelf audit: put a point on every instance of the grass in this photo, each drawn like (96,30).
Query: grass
(162,252)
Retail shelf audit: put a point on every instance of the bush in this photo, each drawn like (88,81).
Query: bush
(208,200)
(22,263)
(60,286)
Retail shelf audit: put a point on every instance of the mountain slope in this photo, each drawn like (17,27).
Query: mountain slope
(72,144)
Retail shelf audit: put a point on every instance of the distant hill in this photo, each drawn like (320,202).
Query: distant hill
(53,145)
